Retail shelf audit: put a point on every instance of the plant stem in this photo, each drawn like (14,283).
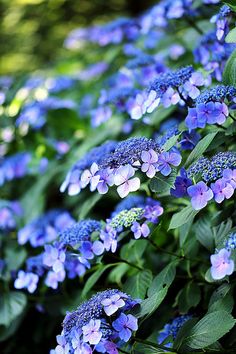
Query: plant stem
(194,25)
(230,115)
(127,262)
(182,257)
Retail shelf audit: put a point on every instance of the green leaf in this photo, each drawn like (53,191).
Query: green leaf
(140,348)
(221,299)
(171,142)
(162,184)
(11,306)
(229,75)
(94,278)
(204,233)
(184,332)
(164,278)
(188,297)
(15,256)
(137,285)
(221,231)
(231,36)
(200,148)
(231,3)
(209,329)
(158,290)
(182,217)
(149,305)
(88,204)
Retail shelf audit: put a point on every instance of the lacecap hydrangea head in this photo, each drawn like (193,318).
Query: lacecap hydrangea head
(101,324)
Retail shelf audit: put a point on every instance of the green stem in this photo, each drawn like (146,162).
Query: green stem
(182,257)
(232,117)
(194,25)
(127,262)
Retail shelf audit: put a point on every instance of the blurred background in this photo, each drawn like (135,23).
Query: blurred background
(33,31)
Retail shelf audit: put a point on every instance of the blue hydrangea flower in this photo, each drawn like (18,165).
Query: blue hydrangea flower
(200,194)
(27,281)
(45,229)
(90,328)
(171,329)
(221,264)
(181,185)
(14,167)
(230,243)
(222,190)
(9,212)
(124,325)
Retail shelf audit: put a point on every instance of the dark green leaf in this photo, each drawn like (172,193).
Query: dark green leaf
(164,278)
(140,348)
(94,278)
(11,306)
(204,233)
(182,217)
(221,299)
(231,36)
(221,231)
(188,297)
(88,204)
(229,75)
(137,285)
(162,184)
(209,329)
(200,148)
(171,142)
(149,305)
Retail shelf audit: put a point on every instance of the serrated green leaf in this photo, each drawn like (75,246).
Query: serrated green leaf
(11,306)
(231,36)
(221,299)
(171,142)
(188,297)
(149,305)
(221,231)
(140,348)
(162,184)
(164,278)
(229,75)
(209,329)
(182,217)
(200,148)
(204,233)
(94,278)
(137,285)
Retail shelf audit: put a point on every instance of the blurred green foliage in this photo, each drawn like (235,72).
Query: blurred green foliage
(33,31)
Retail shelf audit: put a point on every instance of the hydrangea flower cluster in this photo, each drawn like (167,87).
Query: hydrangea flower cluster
(217,180)
(40,232)
(212,53)
(168,88)
(170,330)
(15,166)
(118,166)
(102,324)
(210,107)
(222,20)
(45,229)
(10,211)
